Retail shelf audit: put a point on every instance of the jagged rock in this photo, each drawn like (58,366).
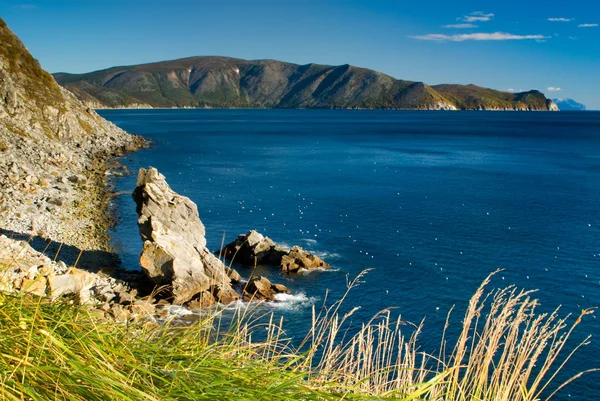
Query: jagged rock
(141,306)
(254,248)
(23,269)
(234,276)
(175,250)
(120,313)
(298,259)
(224,293)
(127,298)
(34,287)
(260,288)
(75,281)
(201,301)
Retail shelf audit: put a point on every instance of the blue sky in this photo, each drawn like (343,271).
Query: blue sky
(518,45)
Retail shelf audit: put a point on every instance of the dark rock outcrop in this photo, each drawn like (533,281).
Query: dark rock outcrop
(255,249)
(175,252)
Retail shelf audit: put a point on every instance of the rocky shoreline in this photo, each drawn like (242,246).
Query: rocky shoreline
(56,156)
(177,268)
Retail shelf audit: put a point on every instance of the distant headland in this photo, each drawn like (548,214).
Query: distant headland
(212,81)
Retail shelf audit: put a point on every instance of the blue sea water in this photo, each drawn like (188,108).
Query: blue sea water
(431,201)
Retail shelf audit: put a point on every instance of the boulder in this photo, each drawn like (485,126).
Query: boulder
(174,251)
(74,281)
(260,288)
(34,287)
(298,259)
(26,270)
(201,301)
(224,293)
(143,307)
(255,249)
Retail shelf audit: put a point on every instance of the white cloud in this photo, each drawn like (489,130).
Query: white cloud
(477,16)
(478,36)
(560,19)
(588,25)
(553,89)
(510,90)
(460,26)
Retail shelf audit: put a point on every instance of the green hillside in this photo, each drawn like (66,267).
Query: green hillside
(212,81)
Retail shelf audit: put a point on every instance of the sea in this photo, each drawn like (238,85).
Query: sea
(429,203)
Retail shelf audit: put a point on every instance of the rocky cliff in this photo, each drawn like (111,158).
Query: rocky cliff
(230,82)
(53,153)
(472,97)
(175,253)
(53,158)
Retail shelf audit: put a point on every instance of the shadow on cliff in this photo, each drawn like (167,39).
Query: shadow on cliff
(93,261)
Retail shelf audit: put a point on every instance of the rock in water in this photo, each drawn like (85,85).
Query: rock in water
(253,248)
(175,250)
(260,288)
(298,259)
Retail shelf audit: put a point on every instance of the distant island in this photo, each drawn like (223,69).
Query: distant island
(567,104)
(212,81)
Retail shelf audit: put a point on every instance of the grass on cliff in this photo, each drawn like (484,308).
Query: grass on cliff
(506,351)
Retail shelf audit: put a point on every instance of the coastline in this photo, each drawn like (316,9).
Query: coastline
(320,108)
(75,210)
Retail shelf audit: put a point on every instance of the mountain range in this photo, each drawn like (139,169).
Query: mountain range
(567,104)
(213,81)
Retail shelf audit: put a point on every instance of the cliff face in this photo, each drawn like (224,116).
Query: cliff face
(52,152)
(230,82)
(472,97)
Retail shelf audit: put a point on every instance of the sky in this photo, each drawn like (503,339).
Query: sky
(511,45)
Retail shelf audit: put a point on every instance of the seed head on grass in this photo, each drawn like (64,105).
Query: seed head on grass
(505,351)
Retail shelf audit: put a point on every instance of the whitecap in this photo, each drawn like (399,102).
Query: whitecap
(178,310)
(291,301)
(325,254)
(239,304)
(318,269)
(284,245)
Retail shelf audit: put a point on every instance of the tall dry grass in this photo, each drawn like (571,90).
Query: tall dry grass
(506,350)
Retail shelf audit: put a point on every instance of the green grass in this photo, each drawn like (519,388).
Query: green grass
(49,351)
